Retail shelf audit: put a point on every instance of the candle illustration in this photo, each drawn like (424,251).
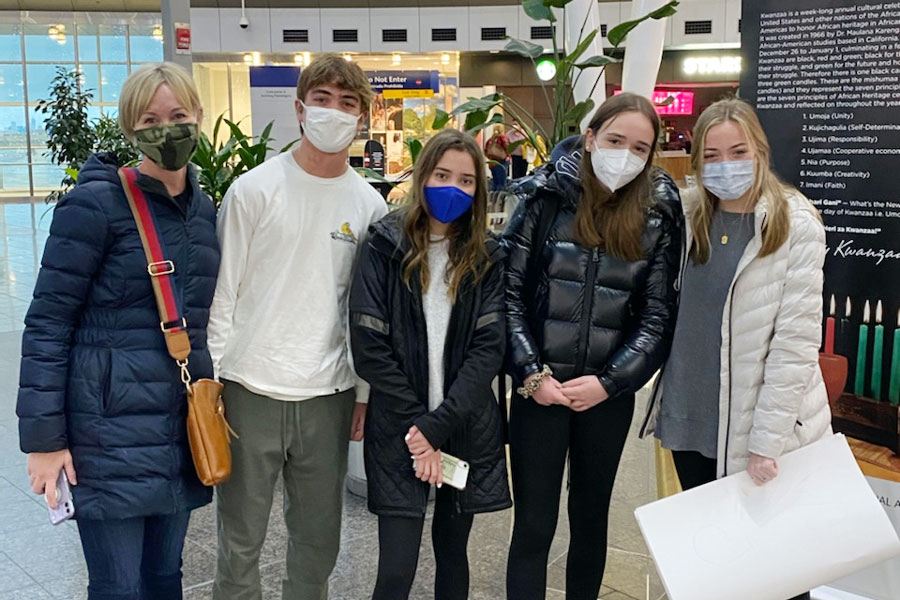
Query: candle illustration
(862,350)
(845,322)
(894,388)
(829,328)
(877,354)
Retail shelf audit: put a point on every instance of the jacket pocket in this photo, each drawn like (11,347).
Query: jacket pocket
(106,390)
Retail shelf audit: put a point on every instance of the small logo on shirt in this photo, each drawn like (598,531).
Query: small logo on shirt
(345,234)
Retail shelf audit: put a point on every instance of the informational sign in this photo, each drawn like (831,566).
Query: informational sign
(272,94)
(405,84)
(825,78)
(182,38)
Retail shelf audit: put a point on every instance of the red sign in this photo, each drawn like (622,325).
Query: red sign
(682,102)
(182,38)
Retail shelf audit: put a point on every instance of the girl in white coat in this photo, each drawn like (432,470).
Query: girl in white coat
(742,385)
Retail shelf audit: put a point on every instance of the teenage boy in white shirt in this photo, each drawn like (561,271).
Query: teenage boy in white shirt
(289,232)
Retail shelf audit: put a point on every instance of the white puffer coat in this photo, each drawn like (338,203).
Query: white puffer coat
(772,397)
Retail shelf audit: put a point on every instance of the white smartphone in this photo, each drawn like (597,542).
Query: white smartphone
(65,505)
(454,470)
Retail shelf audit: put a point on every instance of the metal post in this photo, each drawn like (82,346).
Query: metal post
(175,12)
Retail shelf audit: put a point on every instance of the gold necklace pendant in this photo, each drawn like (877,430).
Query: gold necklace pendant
(724,239)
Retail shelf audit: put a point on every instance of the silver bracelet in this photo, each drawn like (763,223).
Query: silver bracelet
(530,387)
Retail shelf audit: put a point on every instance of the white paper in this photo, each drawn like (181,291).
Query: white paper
(818,520)
(880,581)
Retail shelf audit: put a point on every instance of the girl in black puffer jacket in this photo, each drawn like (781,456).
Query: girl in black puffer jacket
(593,251)
(428,333)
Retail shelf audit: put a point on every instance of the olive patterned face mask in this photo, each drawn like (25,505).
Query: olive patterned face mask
(169,146)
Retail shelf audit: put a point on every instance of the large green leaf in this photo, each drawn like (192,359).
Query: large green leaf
(475,118)
(579,111)
(617,34)
(486,103)
(523,48)
(581,47)
(73,173)
(441,119)
(597,61)
(556,3)
(497,118)
(415,147)
(538,11)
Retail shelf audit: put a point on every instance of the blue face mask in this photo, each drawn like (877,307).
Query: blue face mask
(447,203)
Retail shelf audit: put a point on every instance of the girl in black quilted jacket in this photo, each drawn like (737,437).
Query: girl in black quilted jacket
(428,334)
(593,250)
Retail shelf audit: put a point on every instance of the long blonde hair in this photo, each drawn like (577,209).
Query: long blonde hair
(468,236)
(766,184)
(615,221)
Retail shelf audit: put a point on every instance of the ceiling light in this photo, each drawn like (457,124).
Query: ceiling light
(395,59)
(248,58)
(348,57)
(445,59)
(306,59)
(61,38)
(53,31)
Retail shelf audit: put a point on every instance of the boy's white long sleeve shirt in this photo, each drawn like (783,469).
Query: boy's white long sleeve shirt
(289,241)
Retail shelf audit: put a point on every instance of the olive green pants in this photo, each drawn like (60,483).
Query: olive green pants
(306,442)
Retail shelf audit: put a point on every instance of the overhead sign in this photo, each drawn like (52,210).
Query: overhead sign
(272,94)
(405,80)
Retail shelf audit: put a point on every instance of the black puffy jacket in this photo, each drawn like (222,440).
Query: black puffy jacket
(390,351)
(582,311)
(96,377)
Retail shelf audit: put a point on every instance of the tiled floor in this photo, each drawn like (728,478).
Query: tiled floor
(39,561)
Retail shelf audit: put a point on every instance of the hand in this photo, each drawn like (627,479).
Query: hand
(357,425)
(43,470)
(584,392)
(429,469)
(762,469)
(549,393)
(418,444)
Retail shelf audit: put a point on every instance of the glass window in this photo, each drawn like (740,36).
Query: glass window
(10,42)
(146,43)
(93,113)
(13,142)
(40,78)
(14,179)
(87,43)
(90,81)
(112,43)
(50,43)
(112,77)
(38,136)
(47,177)
(12,87)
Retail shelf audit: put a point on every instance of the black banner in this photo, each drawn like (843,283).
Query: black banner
(824,76)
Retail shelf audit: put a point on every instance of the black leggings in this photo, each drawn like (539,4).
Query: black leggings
(398,552)
(694,470)
(540,439)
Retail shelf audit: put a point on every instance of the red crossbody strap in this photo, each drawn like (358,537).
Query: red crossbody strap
(172,323)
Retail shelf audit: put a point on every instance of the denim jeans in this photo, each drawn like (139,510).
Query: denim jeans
(134,559)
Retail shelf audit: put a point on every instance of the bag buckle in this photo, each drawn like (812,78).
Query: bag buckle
(172,325)
(162,267)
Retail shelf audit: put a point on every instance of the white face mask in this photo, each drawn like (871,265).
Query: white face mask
(616,168)
(729,180)
(328,129)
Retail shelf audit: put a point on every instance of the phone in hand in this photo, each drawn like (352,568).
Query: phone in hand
(455,471)
(65,505)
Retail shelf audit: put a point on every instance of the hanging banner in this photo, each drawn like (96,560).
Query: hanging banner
(824,76)
(272,94)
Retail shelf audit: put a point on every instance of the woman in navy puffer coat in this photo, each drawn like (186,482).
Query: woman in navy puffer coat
(99,394)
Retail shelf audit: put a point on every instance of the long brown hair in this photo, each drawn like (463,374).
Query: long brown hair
(615,221)
(468,236)
(766,184)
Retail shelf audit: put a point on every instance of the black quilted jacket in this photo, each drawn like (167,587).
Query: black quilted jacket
(582,311)
(390,351)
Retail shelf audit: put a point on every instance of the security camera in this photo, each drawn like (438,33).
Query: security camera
(244,22)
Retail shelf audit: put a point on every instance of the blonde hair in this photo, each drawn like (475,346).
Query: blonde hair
(332,69)
(777,225)
(140,87)
(468,235)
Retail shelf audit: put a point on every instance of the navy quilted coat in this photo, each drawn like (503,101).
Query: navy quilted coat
(390,351)
(95,376)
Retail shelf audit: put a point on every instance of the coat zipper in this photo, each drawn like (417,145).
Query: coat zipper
(586,310)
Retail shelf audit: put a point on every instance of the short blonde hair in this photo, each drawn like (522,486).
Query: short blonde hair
(333,69)
(140,87)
